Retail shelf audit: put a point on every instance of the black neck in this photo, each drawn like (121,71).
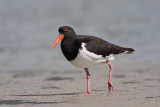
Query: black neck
(70,47)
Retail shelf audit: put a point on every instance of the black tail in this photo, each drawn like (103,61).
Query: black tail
(128,50)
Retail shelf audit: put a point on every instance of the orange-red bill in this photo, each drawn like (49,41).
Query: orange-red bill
(60,37)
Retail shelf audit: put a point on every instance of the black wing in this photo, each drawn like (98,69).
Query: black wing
(102,47)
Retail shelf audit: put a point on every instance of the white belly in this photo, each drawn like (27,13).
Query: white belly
(86,59)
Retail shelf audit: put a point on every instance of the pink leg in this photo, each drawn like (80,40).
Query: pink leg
(110,86)
(88,82)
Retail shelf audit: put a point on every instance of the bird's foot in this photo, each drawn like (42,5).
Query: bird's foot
(87,93)
(110,86)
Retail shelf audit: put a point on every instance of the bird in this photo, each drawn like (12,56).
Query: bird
(85,51)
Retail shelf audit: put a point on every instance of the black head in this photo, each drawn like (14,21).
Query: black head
(67,31)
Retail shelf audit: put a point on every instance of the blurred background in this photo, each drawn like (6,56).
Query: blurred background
(28,28)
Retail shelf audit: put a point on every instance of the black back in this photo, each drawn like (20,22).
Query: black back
(101,47)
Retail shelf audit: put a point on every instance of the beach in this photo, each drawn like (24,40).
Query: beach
(135,85)
(32,75)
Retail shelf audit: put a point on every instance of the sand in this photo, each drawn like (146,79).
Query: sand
(137,85)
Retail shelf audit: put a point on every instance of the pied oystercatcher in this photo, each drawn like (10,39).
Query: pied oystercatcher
(84,51)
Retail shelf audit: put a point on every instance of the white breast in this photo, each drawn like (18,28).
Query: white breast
(86,59)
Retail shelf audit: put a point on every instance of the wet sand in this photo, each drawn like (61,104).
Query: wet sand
(136,85)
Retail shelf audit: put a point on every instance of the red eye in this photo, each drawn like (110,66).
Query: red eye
(65,29)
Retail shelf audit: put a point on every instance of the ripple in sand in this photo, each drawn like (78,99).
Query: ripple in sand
(150,86)
(119,76)
(17,102)
(153,97)
(152,79)
(24,74)
(58,78)
(53,87)
(131,82)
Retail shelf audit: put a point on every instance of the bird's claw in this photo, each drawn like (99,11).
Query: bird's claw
(87,93)
(110,86)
